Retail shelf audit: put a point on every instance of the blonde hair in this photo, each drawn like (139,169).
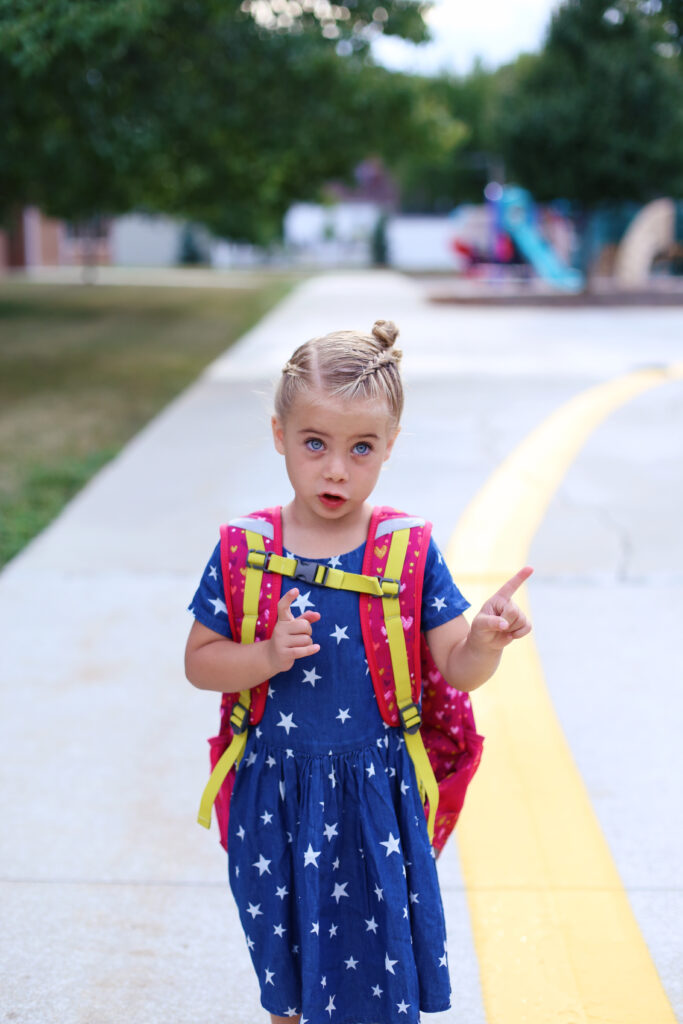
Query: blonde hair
(348,364)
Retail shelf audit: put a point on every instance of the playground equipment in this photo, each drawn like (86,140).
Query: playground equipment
(650,233)
(517,217)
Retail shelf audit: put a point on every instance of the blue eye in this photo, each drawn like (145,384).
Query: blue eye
(362,448)
(314,444)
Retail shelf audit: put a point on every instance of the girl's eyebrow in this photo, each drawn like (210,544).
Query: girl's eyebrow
(322,433)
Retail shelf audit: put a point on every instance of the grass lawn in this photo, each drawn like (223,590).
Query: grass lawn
(83,367)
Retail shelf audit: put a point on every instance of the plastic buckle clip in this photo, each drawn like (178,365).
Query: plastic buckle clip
(306,571)
(387,579)
(411,719)
(263,559)
(239,718)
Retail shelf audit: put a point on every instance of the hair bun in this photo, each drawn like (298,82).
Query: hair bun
(385,331)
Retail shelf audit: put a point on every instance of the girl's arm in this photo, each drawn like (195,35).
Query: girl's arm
(467,656)
(213,662)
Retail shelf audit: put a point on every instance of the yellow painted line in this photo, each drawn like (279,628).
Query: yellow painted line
(556,939)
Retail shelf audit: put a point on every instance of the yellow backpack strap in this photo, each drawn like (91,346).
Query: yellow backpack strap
(239,719)
(409,712)
(322,575)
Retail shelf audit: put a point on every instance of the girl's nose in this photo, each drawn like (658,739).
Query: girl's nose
(336,469)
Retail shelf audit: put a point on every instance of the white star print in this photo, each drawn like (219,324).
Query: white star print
(413,897)
(270,761)
(240,833)
(282,789)
(403,1006)
(405,911)
(237,872)
(302,602)
(330,1006)
(333,929)
(376,990)
(339,633)
(389,964)
(279,930)
(266,817)
(218,606)
(333,778)
(392,844)
(289,752)
(282,891)
(311,857)
(269,977)
(259,733)
(443,962)
(271,690)
(311,676)
(404,787)
(290,1011)
(343,715)
(351,964)
(250,942)
(315,928)
(250,760)
(262,864)
(379,893)
(286,722)
(254,910)
(323,981)
(213,575)
(370,771)
(335,864)
(334,562)
(439,603)
(339,891)
(371,925)
(330,830)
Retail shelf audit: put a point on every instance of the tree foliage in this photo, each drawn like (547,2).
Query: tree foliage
(211,109)
(598,114)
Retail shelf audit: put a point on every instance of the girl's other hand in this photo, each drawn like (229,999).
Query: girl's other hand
(292,637)
(501,621)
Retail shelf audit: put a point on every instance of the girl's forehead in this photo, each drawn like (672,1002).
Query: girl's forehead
(319,408)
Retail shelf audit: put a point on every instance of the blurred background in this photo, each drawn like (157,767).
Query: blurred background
(527,152)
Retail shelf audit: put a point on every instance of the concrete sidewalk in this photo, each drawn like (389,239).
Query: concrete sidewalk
(116,907)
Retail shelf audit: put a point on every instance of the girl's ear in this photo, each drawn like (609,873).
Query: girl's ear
(278,435)
(390,443)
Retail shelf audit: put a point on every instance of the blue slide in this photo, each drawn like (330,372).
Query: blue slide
(517,219)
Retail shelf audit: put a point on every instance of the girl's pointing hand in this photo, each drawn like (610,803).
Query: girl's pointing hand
(292,637)
(500,620)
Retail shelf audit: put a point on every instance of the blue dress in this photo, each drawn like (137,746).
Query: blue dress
(329,858)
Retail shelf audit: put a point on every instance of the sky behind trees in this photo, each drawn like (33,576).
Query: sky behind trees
(494,30)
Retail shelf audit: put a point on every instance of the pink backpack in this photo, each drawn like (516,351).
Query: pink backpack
(446,726)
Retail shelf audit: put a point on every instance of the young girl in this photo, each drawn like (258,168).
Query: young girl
(329,857)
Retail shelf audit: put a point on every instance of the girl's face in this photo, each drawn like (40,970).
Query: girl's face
(334,449)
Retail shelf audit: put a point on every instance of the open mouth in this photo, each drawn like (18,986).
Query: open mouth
(332,500)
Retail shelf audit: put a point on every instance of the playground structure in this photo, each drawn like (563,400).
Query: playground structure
(509,237)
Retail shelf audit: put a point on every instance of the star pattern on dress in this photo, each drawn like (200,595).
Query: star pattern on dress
(218,606)
(392,844)
(262,864)
(266,817)
(279,930)
(343,715)
(439,603)
(269,977)
(339,891)
(282,891)
(311,676)
(331,830)
(302,602)
(443,962)
(270,761)
(286,722)
(413,897)
(311,856)
(251,759)
(371,925)
(213,575)
(250,943)
(377,991)
(403,1006)
(351,964)
(404,787)
(389,964)
(254,910)
(334,562)
(339,633)
(330,1006)
(379,893)
(240,833)
(333,930)
(315,928)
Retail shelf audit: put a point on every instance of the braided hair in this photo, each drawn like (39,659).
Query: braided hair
(346,364)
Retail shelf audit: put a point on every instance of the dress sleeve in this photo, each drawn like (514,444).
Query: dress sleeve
(441,599)
(208,603)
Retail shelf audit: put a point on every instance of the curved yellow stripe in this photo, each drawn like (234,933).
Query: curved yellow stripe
(556,939)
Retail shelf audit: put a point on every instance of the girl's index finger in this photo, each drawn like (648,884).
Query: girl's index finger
(284,604)
(514,583)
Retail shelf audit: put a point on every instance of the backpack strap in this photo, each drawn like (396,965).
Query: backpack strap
(244,628)
(408,709)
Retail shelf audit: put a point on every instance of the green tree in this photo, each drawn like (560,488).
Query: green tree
(219,111)
(598,114)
